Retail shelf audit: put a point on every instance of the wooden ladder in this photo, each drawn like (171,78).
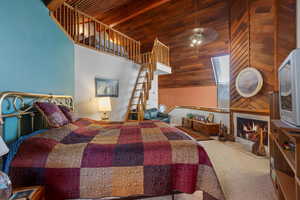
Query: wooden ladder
(140,95)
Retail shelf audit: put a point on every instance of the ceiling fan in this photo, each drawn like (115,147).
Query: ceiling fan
(202,36)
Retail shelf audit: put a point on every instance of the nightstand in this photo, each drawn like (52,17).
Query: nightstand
(34,193)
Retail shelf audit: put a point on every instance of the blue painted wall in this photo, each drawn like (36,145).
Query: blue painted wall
(35,55)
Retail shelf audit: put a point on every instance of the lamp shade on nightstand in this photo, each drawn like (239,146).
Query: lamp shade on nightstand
(104,104)
(5,184)
(3,148)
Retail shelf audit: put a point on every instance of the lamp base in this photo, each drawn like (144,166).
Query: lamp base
(5,186)
(104,116)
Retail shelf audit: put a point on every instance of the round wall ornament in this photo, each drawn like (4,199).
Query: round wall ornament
(249,82)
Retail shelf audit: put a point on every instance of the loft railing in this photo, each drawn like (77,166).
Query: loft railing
(161,52)
(90,32)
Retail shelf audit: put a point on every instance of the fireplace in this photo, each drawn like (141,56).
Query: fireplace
(245,129)
(248,129)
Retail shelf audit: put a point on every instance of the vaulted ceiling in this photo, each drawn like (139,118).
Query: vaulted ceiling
(173,22)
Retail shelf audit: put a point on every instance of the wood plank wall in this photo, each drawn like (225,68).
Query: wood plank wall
(286,31)
(173,24)
(258,33)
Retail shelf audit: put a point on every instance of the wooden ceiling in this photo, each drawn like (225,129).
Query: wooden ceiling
(172,21)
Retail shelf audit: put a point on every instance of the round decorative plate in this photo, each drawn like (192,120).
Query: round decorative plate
(249,82)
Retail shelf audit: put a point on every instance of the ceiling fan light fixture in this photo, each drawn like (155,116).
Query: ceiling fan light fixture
(202,36)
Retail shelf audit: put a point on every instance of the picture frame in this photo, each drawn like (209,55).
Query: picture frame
(210,118)
(106,87)
(249,82)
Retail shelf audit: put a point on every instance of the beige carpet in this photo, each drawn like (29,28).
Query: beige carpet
(243,176)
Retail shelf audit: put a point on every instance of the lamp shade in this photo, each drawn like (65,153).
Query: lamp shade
(3,148)
(104,104)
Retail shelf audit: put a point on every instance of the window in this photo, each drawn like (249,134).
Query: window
(221,68)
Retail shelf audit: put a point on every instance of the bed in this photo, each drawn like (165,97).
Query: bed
(89,159)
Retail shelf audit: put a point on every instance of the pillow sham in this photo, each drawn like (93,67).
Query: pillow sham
(54,116)
(70,115)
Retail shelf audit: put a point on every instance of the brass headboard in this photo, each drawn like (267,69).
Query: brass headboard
(19,105)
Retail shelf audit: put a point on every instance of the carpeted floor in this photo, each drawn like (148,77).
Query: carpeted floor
(243,176)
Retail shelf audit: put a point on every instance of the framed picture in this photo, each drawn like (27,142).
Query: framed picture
(106,87)
(210,118)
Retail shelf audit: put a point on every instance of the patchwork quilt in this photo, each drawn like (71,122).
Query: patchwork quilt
(87,159)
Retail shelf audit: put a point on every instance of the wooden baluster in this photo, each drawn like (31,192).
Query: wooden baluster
(94,23)
(113,42)
(134,51)
(83,28)
(100,37)
(59,14)
(54,13)
(118,44)
(139,49)
(127,49)
(71,22)
(105,38)
(97,35)
(130,49)
(89,31)
(74,23)
(123,46)
(110,40)
(63,16)
(67,20)
(77,25)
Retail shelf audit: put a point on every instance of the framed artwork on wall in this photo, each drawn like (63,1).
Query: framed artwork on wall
(106,87)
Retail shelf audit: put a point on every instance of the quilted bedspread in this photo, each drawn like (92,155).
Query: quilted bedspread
(87,159)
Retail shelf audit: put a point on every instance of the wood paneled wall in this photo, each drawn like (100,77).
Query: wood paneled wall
(257,34)
(286,31)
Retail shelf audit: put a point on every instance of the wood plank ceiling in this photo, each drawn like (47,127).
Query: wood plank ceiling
(173,22)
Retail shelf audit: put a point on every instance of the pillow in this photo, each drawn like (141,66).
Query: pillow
(54,116)
(70,115)
(153,113)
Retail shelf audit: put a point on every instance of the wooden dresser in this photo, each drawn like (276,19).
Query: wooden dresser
(285,162)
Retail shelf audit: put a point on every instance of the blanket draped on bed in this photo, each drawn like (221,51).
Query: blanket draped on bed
(88,160)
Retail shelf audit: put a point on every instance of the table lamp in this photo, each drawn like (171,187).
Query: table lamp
(5,184)
(104,106)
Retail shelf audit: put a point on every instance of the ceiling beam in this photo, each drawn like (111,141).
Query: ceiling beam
(139,12)
(53,4)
